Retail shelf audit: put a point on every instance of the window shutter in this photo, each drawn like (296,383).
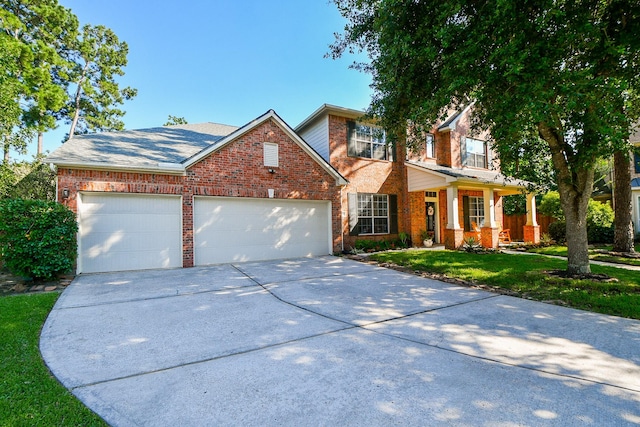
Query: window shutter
(351,147)
(270,154)
(393,214)
(463,151)
(465,213)
(352,201)
(636,161)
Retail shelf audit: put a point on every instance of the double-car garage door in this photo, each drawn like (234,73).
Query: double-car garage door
(133,232)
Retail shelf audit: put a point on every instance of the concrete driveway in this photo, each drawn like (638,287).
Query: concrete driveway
(329,341)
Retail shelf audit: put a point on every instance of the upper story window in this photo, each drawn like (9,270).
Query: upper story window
(367,141)
(636,162)
(430,146)
(475,153)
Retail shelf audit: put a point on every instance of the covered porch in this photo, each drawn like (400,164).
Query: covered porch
(454,204)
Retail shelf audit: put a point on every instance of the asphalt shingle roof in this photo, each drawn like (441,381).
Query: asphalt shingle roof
(143,147)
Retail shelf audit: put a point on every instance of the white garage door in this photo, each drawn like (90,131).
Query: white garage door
(128,232)
(246,229)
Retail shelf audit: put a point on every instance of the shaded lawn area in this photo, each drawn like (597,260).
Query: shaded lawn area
(594,254)
(29,394)
(524,276)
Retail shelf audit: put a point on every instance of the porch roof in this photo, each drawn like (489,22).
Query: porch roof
(424,176)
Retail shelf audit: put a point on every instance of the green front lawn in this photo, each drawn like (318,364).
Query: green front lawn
(594,254)
(29,394)
(524,275)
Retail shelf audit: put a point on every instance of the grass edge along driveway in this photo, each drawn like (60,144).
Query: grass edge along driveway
(29,394)
(526,277)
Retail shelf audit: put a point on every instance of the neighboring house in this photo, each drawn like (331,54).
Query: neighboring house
(444,188)
(635,181)
(188,195)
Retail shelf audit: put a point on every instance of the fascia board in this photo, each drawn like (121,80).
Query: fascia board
(159,168)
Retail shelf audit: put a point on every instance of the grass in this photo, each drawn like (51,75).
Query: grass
(523,275)
(29,394)
(593,254)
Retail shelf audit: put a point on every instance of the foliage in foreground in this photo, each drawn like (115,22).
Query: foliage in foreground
(526,277)
(29,395)
(556,83)
(37,238)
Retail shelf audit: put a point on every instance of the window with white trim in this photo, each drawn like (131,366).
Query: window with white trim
(367,141)
(373,213)
(476,153)
(476,210)
(430,146)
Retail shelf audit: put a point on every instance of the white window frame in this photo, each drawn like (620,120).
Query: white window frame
(476,210)
(368,141)
(475,158)
(373,214)
(430,146)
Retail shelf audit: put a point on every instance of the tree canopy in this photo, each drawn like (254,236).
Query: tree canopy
(51,70)
(550,79)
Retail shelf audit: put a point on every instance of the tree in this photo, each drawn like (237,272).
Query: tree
(98,56)
(550,76)
(623,223)
(175,120)
(31,36)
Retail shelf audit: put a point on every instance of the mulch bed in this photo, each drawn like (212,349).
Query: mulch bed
(12,285)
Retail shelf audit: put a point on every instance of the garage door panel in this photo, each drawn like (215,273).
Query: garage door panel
(246,229)
(129,232)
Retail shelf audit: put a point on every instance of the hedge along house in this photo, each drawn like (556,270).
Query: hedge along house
(200,194)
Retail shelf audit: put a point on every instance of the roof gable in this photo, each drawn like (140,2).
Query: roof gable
(269,115)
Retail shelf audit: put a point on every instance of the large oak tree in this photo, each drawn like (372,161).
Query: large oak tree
(548,76)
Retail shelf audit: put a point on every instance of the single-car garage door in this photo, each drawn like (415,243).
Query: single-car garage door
(248,229)
(128,232)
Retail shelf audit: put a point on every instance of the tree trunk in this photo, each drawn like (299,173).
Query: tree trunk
(40,138)
(623,225)
(575,212)
(575,185)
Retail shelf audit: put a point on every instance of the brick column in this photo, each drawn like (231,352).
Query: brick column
(489,237)
(453,238)
(531,233)
(531,229)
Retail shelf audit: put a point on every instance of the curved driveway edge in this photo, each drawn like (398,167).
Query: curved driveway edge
(330,341)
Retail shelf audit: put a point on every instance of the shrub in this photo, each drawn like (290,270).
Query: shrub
(550,205)
(558,232)
(37,238)
(599,214)
(599,234)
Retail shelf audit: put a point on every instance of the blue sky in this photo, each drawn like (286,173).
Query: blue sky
(225,61)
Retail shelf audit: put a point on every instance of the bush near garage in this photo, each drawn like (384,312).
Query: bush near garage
(37,238)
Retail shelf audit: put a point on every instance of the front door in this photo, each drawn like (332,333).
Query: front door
(431,212)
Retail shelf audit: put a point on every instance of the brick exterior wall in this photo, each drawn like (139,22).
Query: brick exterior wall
(367,176)
(236,170)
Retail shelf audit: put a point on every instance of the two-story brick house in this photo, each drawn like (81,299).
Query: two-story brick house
(208,193)
(447,187)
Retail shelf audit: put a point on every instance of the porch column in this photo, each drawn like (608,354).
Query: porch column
(531,228)
(489,232)
(453,234)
